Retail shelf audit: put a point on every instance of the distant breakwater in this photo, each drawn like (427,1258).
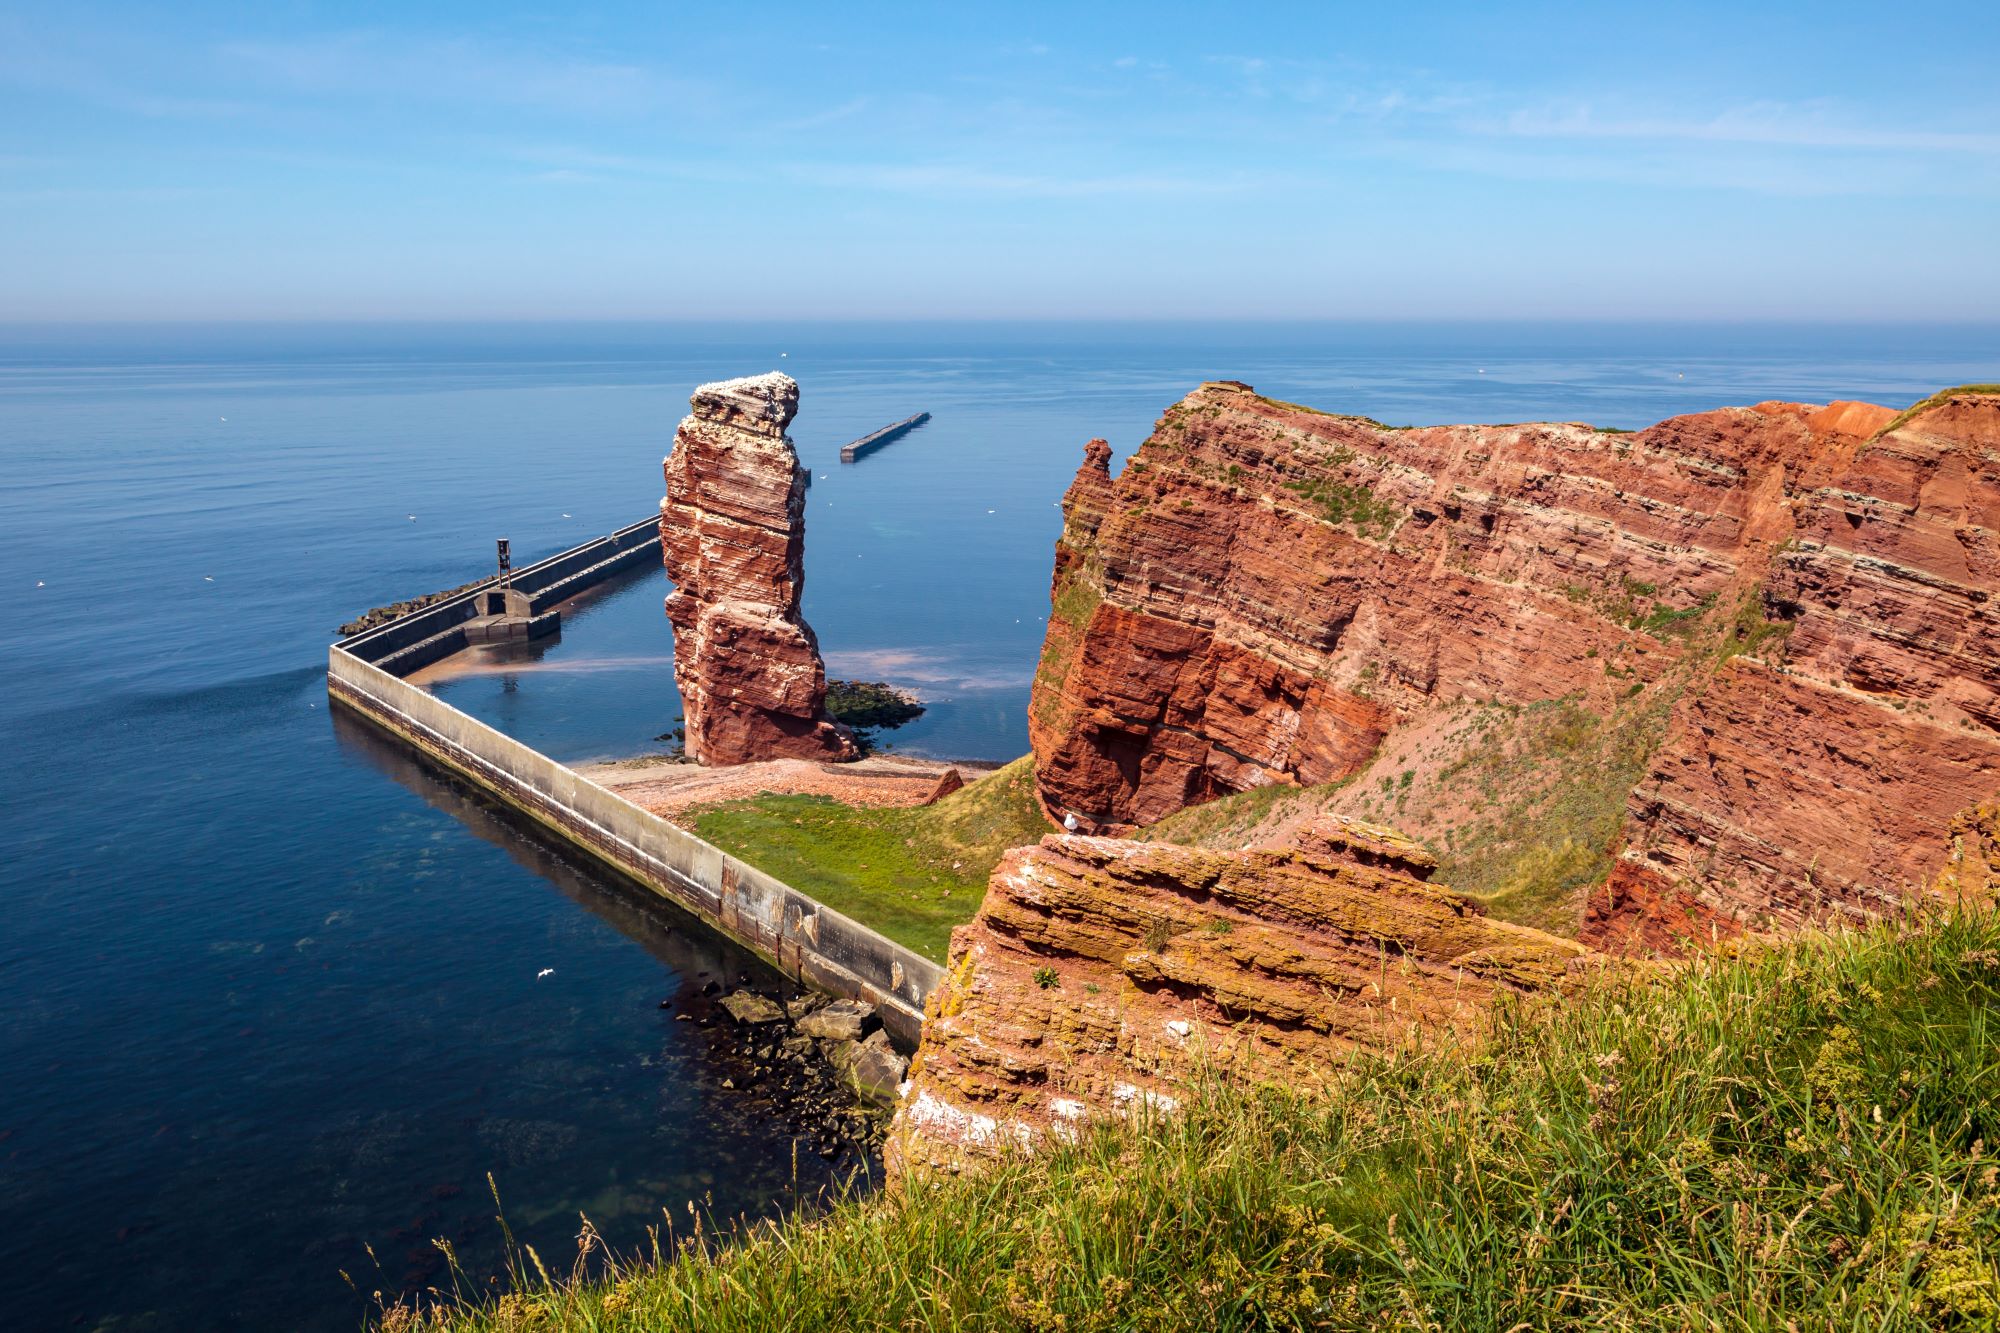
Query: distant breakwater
(869,443)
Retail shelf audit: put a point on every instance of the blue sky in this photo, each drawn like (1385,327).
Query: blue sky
(295,160)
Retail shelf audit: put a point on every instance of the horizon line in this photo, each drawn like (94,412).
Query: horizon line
(170,321)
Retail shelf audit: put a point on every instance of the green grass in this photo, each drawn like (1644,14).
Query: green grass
(1224,821)
(912,874)
(1552,780)
(1545,784)
(1801,1138)
(1343,504)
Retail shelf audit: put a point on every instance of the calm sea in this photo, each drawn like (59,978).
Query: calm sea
(268,990)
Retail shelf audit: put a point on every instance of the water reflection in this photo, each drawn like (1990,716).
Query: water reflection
(688,948)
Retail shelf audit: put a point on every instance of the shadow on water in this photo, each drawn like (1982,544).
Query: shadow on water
(756,1138)
(673,936)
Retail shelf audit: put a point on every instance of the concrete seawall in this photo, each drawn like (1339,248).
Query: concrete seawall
(437,631)
(869,443)
(803,938)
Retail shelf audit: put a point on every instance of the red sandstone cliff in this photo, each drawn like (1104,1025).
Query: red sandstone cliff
(732,533)
(1779,622)
(1100,972)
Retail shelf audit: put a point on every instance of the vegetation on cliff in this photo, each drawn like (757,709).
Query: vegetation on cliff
(871,703)
(1918,408)
(1522,804)
(912,873)
(1801,1136)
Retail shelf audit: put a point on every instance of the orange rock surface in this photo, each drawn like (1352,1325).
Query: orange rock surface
(732,533)
(1266,594)
(1099,971)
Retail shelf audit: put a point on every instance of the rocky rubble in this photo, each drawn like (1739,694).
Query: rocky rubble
(824,1067)
(1100,971)
(1267,594)
(732,532)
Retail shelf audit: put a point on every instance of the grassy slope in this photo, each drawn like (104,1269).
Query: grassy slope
(1521,804)
(912,874)
(1799,1138)
(1916,409)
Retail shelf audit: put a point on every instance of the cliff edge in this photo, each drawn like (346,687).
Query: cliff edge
(1737,669)
(1102,974)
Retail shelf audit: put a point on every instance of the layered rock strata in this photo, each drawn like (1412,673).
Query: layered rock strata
(732,533)
(1267,594)
(1100,972)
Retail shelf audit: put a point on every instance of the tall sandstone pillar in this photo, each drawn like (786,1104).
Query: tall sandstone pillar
(732,532)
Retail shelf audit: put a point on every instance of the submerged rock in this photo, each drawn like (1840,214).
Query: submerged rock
(749,1007)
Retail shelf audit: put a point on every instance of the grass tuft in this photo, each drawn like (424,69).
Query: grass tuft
(1915,410)
(1799,1137)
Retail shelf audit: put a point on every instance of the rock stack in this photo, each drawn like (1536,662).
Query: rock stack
(732,533)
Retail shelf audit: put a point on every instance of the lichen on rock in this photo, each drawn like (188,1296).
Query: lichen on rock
(1101,973)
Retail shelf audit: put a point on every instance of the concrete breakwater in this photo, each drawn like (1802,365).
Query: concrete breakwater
(795,932)
(874,440)
(438,630)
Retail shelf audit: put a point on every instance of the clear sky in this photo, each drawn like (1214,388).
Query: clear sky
(437,160)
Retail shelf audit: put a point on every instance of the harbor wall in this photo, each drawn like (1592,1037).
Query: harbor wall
(867,444)
(435,632)
(803,938)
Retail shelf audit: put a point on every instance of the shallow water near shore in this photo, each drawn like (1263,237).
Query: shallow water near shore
(271,987)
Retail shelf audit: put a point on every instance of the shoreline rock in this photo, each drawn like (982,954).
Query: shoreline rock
(829,1087)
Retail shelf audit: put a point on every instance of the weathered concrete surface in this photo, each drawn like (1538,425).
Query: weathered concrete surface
(678,791)
(732,533)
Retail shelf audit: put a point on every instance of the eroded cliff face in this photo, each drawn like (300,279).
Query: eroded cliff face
(1100,972)
(1782,614)
(732,533)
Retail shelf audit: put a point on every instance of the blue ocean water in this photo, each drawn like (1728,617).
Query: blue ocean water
(269,988)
